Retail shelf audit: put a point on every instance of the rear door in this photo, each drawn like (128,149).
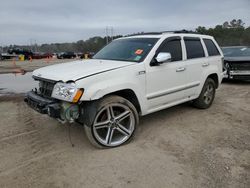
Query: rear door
(195,62)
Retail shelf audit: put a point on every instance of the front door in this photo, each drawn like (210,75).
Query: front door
(167,81)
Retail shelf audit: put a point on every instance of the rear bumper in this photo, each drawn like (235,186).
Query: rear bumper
(43,105)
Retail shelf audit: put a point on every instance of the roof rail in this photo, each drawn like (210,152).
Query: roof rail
(185,31)
(162,32)
(146,33)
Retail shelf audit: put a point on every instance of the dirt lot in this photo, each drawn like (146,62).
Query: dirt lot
(177,147)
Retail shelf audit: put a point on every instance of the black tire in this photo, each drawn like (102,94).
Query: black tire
(103,106)
(206,96)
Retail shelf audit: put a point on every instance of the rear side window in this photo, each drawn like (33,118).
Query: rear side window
(211,48)
(194,48)
(174,48)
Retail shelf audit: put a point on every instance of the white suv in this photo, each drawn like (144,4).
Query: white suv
(131,77)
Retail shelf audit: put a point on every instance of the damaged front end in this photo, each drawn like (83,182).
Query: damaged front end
(48,99)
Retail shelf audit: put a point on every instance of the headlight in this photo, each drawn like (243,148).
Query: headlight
(67,92)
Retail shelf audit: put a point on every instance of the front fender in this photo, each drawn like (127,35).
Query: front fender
(96,87)
(103,90)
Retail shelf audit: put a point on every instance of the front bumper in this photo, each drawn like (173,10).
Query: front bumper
(243,75)
(43,105)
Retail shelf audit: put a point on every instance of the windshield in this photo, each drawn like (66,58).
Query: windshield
(236,51)
(128,49)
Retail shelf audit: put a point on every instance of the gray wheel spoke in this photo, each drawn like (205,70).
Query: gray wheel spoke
(123,130)
(109,135)
(208,94)
(110,112)
(101,125)
(207,99)
(210,89)
(122,116)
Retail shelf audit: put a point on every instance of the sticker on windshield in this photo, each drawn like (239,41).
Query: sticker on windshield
(137,58)
(243,49)
(138,51)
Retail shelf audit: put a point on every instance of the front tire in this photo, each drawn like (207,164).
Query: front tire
(114,123)
(206,96)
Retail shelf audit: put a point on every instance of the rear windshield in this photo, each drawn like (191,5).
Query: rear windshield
(236,51)
(128,49)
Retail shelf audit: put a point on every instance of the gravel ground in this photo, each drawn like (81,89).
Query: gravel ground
(177,147)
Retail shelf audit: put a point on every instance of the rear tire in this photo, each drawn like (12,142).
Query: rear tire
(114,123)
(206,96)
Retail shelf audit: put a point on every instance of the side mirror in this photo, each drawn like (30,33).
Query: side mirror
(163,57)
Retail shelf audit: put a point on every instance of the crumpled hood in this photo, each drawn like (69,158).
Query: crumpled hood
(78,69)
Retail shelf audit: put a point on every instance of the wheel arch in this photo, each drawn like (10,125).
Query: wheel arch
(215,77)
(91,106)
(130,95)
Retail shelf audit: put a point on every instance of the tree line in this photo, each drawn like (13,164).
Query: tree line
(231,33)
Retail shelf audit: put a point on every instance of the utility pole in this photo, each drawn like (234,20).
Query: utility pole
(36,46)
(107,40)
(109,30)
(112,33)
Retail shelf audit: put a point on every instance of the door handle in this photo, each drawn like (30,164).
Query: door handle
(180,69)
(205,64)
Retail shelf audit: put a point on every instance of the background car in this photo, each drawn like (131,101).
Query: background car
(66,55)
(237,62)
(18,51)
(41,55)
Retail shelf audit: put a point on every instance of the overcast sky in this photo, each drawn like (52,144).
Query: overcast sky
(50,21)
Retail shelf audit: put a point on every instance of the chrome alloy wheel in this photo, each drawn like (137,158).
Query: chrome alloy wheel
(114,124)
(208,94)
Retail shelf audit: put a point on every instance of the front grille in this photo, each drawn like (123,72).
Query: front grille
(46,88)
(242,65)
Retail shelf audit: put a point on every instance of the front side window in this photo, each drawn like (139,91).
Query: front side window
(174,48)
(211,48)
(127,49)
(194,48)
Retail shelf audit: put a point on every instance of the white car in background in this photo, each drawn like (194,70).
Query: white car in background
(131,77)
